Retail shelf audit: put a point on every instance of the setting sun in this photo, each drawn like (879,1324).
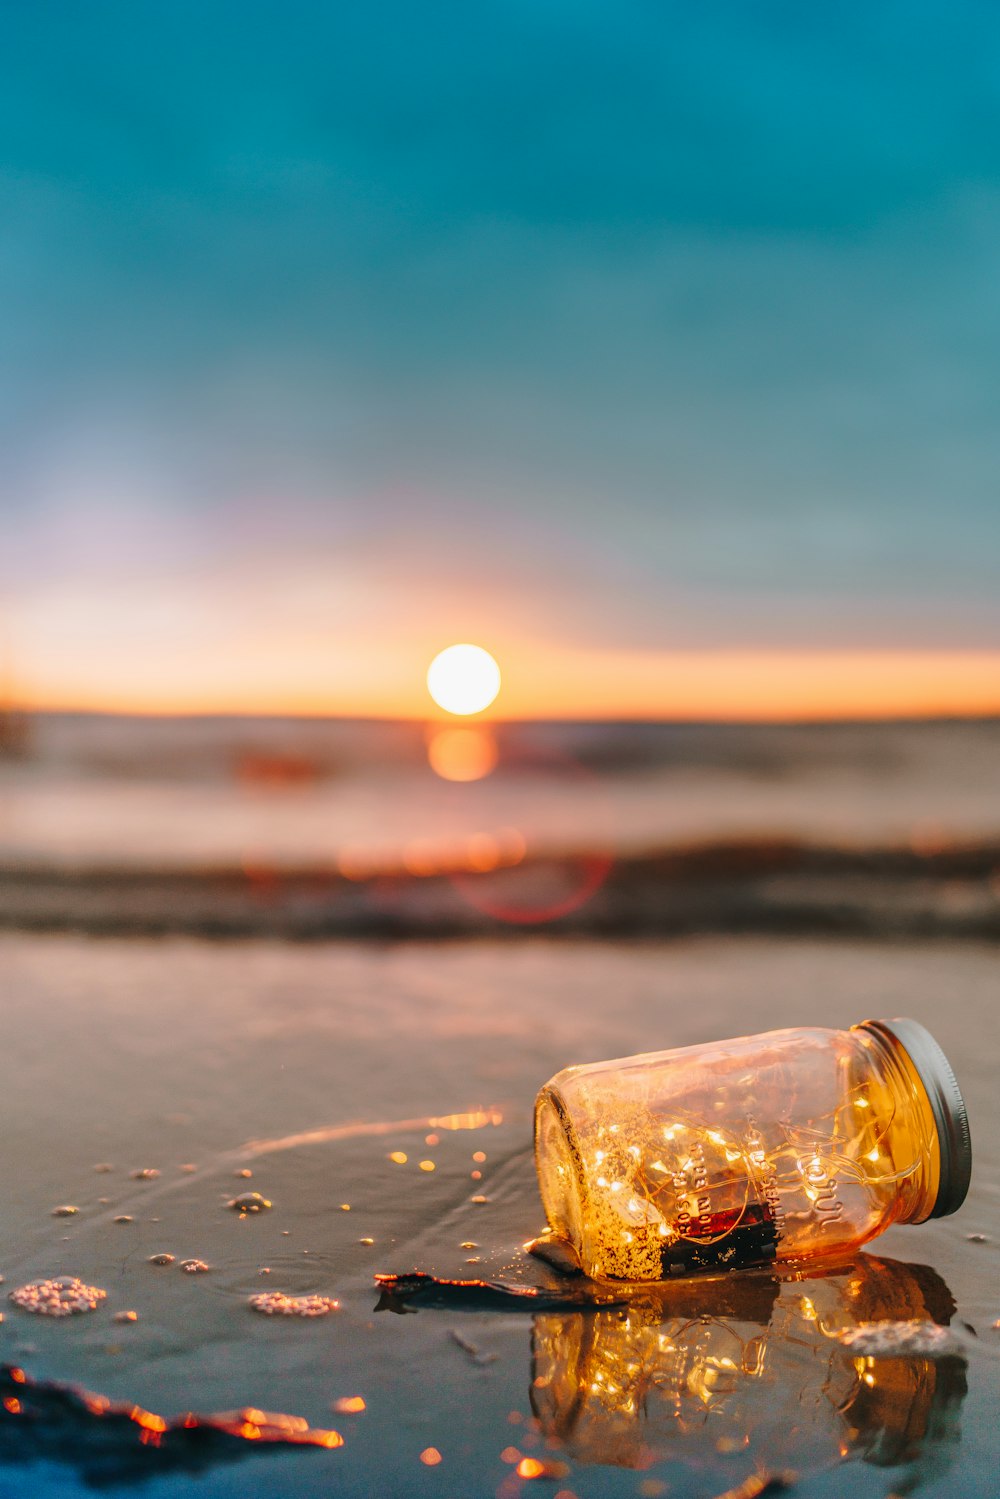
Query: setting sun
(463,679)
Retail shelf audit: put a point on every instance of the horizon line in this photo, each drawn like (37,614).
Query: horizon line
(495,721)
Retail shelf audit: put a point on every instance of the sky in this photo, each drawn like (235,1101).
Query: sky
(653,346)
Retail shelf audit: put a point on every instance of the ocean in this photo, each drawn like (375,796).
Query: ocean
(310,827)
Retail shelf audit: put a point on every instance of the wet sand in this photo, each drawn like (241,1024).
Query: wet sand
(310,1067)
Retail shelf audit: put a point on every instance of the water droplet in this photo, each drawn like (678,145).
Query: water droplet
(188,1166)
(427,1166)
(349,1405)
(277,1304)
(103,1167)
(978,1238)
(144,1174)
(65,1211)
(125,1317)
(533,1467)
(345,1207)
(249,1202)
(62,1296)
(430,1457)
(160,1259)
(194,1267)
(244,1172)
(468,1244)
(479,1199)
(366,1241)
(123,1218)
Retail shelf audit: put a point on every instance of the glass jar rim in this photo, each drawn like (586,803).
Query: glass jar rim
(947,1105)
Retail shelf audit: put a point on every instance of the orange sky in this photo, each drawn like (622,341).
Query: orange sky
(387,679)
(673,393)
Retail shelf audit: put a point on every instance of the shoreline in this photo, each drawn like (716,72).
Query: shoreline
(772,886)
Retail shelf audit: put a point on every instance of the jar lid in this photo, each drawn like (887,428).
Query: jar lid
(947,1106)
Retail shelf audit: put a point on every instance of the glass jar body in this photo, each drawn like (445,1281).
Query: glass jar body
(788,1145)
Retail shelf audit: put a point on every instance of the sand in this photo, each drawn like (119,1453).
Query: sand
(311,1067)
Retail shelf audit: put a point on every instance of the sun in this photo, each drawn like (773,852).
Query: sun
(463,679)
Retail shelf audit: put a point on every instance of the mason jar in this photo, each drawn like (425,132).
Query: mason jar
(784,1146)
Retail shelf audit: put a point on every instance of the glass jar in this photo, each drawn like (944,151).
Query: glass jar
(788,1145)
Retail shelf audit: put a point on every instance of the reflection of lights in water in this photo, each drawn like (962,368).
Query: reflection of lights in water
(122,1443)
(743,1358)
(496,796)
(423,858)
(349,1405)
(539,892)
(463,679)
(365,861)
(483,853)
(545,792)
(466,754)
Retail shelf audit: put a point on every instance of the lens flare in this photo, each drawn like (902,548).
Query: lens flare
(463,679)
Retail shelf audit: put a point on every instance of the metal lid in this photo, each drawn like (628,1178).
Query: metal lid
(947,1106)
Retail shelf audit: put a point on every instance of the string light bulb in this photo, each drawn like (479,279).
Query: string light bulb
(792,1144)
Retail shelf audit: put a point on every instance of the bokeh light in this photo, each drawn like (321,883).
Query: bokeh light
(463,679)
(466,754)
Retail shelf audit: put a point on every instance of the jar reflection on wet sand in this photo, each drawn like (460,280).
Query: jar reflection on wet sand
(755,1362)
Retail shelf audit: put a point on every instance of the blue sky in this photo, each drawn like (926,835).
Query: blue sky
(651,326)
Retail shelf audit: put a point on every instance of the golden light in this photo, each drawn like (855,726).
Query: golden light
(639,1194)
(466,754)
(463,679)
(349,1405)
(483,853)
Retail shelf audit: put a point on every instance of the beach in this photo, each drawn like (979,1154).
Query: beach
(498,571)
(310,829)
(184,1026)
(311,1067)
